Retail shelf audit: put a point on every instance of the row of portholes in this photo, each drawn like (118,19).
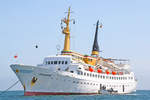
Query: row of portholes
(90,74)
(77,82)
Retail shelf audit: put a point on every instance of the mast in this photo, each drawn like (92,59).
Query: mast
(66,31)
(95,50)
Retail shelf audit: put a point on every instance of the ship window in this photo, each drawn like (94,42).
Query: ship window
(106,77)
(129,77)
(103,77)
(81,73)
(55,62)
(85,74)
(96,75)
(66,62)
(90,74)
(93,75)
(71,71)
(59,62)
(51,62)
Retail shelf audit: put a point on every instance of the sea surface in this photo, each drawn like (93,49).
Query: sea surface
(18,95)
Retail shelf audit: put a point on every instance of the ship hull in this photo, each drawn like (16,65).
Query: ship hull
(55,93)
(45,81)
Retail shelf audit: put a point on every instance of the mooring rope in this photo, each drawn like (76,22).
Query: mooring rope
(9,87)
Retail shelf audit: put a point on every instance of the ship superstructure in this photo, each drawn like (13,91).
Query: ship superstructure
(74,73)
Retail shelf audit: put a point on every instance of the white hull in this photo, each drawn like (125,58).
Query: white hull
(52,82)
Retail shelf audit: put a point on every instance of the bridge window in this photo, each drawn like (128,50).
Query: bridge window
(66,62)
(55,62)
(51,62)
(59,62)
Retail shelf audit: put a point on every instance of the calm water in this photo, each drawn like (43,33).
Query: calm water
(18,95)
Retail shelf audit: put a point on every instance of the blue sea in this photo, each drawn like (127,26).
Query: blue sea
(18,95)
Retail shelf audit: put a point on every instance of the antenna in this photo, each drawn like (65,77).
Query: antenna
(64,20)
(66,30)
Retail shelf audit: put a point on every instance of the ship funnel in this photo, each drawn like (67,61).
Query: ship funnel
(95,50)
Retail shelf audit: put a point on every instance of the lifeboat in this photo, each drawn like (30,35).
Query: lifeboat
(91,69)
(114,73)
(120,73)
(99,70)
(107,72)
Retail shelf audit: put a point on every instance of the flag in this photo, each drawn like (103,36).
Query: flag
(15,56)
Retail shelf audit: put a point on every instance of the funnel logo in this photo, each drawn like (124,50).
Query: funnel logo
(34,79)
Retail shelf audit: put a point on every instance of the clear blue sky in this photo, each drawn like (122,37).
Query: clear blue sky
(125,34)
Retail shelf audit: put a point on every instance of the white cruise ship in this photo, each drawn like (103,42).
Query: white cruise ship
(71,73)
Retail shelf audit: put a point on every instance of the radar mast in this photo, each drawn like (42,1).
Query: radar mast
(66,31)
